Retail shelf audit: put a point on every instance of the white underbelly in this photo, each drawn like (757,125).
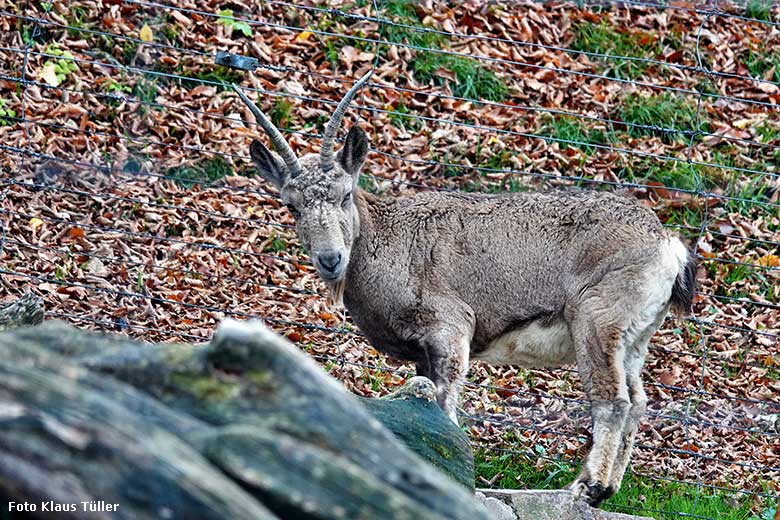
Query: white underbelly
(533,346)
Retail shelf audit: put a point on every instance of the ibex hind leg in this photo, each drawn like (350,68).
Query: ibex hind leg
(600,349)
(634,361)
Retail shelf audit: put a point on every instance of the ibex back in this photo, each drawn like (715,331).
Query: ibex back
(533,279)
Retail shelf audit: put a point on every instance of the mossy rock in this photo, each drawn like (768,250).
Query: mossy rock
(246,426)
(412,414)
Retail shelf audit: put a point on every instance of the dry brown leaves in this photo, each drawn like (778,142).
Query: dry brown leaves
(120,248)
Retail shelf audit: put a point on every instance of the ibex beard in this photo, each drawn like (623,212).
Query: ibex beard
(530,279)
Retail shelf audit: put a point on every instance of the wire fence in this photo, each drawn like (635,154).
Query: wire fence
(120,205)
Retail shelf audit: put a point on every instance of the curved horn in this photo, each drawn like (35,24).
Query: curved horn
(277,139)
(326,152)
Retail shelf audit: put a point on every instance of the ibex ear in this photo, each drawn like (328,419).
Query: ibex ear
(353,153)
(271,166)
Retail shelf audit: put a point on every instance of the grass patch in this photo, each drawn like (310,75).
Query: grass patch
(145,89)
(638,495)
(400,118)
(604,38)
(570,128)
(751,190)
(760,63)
(223,76)
(205,172)
(740,281)
(281,112)
(672,174)
(472,79)
(226,18)
(405,12)
(275,245)
(759,9)
(670,116)
(768,133)
(6,113)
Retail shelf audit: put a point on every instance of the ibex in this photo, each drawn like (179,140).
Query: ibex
(532,279)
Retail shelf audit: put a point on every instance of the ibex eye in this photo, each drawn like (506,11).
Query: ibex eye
(347,198)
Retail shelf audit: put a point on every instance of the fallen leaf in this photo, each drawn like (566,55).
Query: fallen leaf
(769,261)
(35,223)
(49,75)
(75,232)
(146,34)
(303,36)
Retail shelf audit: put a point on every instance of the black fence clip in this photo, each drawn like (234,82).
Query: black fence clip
(236,61)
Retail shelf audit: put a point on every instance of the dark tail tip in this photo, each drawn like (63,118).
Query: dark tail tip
(684,287)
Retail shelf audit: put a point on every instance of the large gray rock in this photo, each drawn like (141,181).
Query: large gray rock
(243,427)
(542,505)
(412,414)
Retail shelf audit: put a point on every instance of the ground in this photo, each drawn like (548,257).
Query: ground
(128,201)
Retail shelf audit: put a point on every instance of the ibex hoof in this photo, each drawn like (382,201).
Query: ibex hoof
(592,493)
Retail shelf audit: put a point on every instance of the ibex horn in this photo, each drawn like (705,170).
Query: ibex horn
(277,139)
(326,152)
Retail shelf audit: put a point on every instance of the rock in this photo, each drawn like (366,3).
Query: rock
(259,424)
(412,414)
(70,436)
(498,510)
(27,310)
(547,505)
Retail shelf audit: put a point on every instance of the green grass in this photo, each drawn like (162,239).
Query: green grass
(768,133)
(405,12)
(734,275)
(145,90)
(473,80)
(226,18)
(662,111)
(204,172)
(571,128)
(281,112)
(603,38)
(672,174)
(276,245)
(638,495)
(6,113)
(755,189)
(759,9)
(760,62)
(400,118)
(223,76)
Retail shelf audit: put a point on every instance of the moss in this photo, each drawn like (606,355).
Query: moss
(205,388)
(442,450)
(261,379)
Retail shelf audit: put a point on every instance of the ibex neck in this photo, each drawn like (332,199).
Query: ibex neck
(363,202)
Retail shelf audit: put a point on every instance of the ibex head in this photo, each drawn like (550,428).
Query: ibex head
(317,188)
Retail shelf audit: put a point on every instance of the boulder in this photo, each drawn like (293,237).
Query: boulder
(514,504)
(412,414)
(245,426)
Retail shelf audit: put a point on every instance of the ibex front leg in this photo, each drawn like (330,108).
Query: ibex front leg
(447,352)
(600,361)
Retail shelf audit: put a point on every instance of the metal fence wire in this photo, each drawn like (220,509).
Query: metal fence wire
(128,201)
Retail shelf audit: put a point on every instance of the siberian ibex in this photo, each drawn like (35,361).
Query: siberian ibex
(533,279)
